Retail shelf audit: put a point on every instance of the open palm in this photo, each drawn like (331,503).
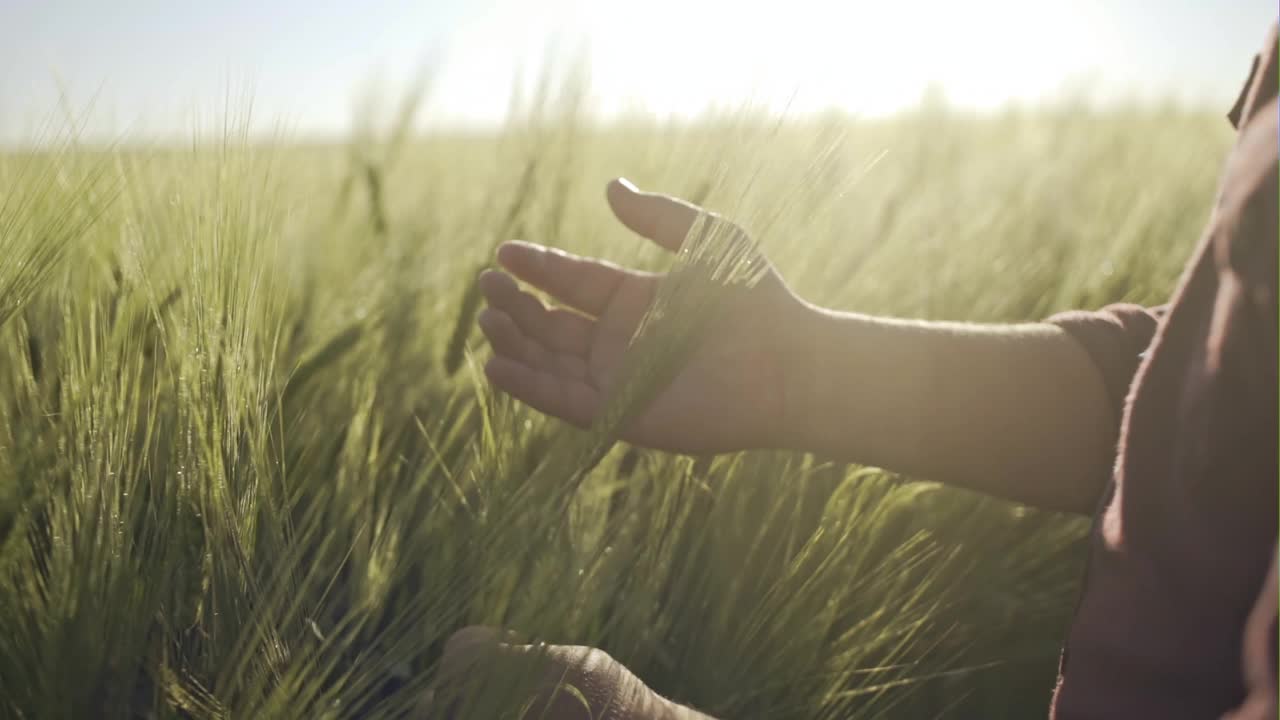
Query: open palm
(563,360)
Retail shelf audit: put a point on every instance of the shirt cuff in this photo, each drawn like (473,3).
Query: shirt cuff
(1116,339)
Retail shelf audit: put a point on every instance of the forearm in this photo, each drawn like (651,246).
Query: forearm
(1017,411)
(673,711)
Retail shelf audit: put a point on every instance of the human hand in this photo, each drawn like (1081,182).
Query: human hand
(563,361)
(564,682)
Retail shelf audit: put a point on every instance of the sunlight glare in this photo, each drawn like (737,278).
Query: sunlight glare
(866,57)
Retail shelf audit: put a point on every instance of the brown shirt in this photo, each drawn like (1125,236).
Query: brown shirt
(1178,614)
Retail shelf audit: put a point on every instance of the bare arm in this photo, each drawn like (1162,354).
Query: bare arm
(1017,411)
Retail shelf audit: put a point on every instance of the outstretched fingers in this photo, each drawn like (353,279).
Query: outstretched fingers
(559,330)
(584,284)
(574,401)
(508,339)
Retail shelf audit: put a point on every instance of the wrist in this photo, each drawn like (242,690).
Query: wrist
(801,376)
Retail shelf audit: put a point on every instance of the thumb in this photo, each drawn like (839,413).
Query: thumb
(661,218)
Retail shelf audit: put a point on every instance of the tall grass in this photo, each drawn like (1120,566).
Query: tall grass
(250,467)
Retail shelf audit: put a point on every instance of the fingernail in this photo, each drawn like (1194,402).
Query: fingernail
(509,249)
(628,184)
(538,253)
(521,246)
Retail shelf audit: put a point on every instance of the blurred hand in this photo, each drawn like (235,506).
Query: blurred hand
(563,360)
(603,689)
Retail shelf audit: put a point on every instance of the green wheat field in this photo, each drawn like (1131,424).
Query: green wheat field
(250,467)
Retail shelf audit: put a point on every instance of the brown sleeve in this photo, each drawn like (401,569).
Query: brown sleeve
(1237,110)
(1115,338)
(1251,206)
(1260,651)
(1252,259)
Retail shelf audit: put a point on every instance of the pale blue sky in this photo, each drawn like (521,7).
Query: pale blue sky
(156,68)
